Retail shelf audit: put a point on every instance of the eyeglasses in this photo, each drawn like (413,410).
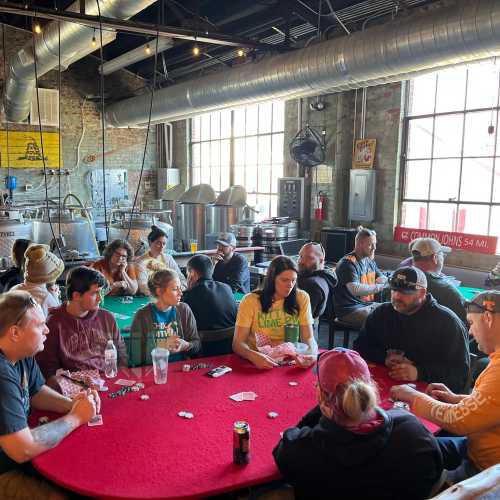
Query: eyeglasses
(31,302)
(121,255)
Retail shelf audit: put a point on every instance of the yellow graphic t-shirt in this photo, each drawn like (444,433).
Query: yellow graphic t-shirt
(273,322)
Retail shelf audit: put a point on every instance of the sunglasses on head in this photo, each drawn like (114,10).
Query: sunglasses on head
(474,308)
(31,302)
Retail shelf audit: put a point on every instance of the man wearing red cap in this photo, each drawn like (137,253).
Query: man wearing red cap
(475,416)
(348,447)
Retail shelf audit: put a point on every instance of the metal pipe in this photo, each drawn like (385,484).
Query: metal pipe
(135,55)
(463,31)
(114,23)
(75,43)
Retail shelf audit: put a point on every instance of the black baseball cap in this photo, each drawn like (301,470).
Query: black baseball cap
(484,301)
(408,279)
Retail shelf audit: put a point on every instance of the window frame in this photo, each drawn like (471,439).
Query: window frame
(457,203)
(272,194)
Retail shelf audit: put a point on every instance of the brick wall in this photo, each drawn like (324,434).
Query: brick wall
(123,147)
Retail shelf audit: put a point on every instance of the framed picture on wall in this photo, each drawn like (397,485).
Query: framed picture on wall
(364,153)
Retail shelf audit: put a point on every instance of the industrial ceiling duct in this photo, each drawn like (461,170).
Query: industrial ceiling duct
(76,42)
(135,55)
(458,32)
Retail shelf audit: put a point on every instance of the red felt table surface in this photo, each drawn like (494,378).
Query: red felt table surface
(145,450)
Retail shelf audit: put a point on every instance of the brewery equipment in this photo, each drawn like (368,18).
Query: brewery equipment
(71,225)
(190,221)
(139,223)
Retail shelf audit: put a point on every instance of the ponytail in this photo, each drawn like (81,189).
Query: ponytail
(358,399)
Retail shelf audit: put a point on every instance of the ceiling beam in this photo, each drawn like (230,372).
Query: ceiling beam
(133,26)
(307,15)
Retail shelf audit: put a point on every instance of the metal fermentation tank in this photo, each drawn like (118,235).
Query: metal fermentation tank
(12,227)
(230,208)
(190,222)
(140,226)
(72,225)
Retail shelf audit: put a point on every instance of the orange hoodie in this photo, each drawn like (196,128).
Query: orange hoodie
(477,416)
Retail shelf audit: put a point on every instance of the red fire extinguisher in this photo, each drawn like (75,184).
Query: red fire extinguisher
(319,212)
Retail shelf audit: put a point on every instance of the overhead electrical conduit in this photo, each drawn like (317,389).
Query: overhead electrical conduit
(458,32)
(76,42)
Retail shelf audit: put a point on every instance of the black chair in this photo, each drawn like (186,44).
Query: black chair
(216,342)
(337,325)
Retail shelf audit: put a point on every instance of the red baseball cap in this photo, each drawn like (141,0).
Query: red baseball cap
(338,366)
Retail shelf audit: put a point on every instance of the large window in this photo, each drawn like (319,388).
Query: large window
(243,146)
(452,156)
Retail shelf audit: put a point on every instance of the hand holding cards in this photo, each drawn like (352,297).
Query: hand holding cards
(97,420)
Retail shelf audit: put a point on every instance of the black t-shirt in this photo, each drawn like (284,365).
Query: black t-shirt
(19,382)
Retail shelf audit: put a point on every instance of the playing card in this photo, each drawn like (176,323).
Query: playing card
(126,383)
(97,420)
(248,396)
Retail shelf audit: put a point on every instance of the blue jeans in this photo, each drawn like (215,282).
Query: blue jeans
(455,459)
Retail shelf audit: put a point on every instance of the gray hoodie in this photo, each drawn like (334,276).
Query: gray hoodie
(142,328)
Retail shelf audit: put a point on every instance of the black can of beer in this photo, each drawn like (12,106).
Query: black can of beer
(241,443)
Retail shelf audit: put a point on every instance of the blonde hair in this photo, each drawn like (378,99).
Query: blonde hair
(160,279)
(358,399)
(352,401)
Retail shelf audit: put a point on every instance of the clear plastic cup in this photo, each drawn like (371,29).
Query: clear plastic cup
(160,364)
(193,244)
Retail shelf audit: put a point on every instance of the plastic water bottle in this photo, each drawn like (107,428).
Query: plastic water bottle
(110,360)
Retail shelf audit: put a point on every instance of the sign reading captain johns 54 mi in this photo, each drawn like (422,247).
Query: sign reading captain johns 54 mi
(25,149)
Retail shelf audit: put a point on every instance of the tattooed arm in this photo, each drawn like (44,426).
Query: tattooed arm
(23,445)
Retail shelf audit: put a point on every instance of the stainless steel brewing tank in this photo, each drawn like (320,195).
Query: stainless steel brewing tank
(140,226)
(190,224)
(77,232)
(220,218)
(12,229)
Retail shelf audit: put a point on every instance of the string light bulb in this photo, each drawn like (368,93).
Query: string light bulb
(37,28)
(196,50)
(241,52)
(147,49)
(94,41)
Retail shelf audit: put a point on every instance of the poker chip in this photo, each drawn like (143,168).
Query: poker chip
(185,414)
(272,414)
(135,388)
(144,397)
(186,368)
(140,385)
(292,383)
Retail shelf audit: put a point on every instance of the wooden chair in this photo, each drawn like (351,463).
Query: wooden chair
(216,342)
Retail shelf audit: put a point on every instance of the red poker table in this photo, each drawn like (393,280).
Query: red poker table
(144,449)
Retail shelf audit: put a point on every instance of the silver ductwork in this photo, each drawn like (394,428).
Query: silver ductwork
(76,42)
(456,32)
(138,54)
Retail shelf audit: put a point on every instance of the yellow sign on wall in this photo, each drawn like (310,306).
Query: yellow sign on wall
(25,149)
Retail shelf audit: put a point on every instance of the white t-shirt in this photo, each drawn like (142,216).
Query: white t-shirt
(39,292)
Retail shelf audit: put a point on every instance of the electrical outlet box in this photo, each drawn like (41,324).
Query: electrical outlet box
(28,187)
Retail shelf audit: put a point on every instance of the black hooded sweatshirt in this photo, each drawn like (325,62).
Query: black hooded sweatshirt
(319,285)
(400,459)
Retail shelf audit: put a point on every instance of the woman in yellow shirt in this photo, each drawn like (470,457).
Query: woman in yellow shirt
(267,310)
